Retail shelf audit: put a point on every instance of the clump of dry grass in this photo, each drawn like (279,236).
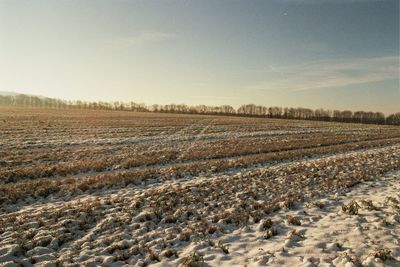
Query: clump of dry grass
(153,256)
(316,203)
(293,220)
(383,254)
(351,208)
(220,245)
(273,231)
(368,204)
(288,203)
(168,253)
(266,227)
(266,224)
(135,250)
(121,256)
(391,200)
(212,229)
(117,246)
(193,260)
(185,235)
(169,219)
(295,234)
(352,258)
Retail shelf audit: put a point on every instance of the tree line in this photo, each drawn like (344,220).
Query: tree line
(244,110)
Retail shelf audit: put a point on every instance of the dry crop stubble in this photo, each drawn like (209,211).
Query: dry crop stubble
(106,186)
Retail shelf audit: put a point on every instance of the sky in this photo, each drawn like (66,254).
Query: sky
(334,54)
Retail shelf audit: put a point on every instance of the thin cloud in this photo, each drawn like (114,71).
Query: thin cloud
(331,74)
(140,38)
(269,69)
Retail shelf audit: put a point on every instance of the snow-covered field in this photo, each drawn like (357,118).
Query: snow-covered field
(326,235)
(101,188)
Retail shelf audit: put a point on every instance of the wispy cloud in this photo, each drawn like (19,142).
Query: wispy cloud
(268,69)
(331,74)
(141,38)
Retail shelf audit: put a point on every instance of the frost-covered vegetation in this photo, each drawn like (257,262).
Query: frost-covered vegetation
(115,188)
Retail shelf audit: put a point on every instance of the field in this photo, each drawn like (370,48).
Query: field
(110,188)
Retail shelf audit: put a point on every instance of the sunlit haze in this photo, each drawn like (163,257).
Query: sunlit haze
(330,54)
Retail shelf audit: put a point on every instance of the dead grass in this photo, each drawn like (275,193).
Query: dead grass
(218,244)
(266,224)
(193,260)
(293,220)
(368,205)
(296,234)
(351,208)
(352,258)
(273,231)
(106,151)
(316,203)
(383,254)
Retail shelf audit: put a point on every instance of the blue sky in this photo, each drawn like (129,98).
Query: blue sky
(337,54)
